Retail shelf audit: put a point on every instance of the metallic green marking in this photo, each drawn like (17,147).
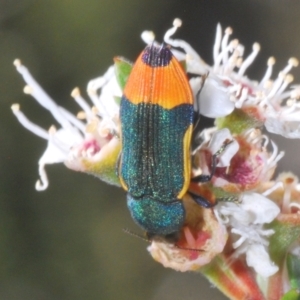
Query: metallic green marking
(152,154)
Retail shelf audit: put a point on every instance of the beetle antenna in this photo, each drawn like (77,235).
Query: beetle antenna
(126,230)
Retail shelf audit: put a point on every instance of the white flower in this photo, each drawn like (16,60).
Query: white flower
(75,139)
(245,221)
(227,87)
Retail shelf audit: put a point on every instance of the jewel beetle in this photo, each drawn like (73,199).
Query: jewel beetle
(156,116)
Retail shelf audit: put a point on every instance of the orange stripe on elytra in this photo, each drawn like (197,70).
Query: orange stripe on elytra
(167,86)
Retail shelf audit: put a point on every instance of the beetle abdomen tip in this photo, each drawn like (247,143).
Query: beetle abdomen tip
(157,56)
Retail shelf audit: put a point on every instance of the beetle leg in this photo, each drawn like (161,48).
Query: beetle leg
(201,200)
(206,178)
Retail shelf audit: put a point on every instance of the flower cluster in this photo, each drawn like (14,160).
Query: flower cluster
(248,243)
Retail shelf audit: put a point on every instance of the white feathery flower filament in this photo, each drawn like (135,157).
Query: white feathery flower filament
(104,101)
(180,43)
(37,130)
(73,132)
(148,37)
(249,60)
(268,74)
(34,89)
(81,102)
(224,44)
(217,43)
(275,156)
(43,182)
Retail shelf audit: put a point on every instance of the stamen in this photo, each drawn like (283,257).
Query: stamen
(81,115)
(92,126)
(177,23)
(81,102)
(276,186)
(292,63)
(295,93)
(95,110)
(290,102)
(249,60)
(220,59)
(232,62)
(268,84)
(276,85)
(37,130)
(268,74)
(172,30)
(180,43)
(97,84)
(43,182)
(60,144)
(239,48)
(148,37)
(28,90)
(239,62)
(283,96)
(284,78)
(243,97)
(73,120)
(217,43)
(17,62)
(228,32)
(275,157)
(287,80)
(223,56)
(39,94)
(266,141)
(52,130)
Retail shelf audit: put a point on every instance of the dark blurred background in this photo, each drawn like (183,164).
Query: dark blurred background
(67,242)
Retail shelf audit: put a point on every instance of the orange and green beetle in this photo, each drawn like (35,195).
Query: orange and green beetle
(156,114)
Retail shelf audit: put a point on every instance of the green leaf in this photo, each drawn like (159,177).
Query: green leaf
(293,267)
(122,70)
(238,121)
(287,230)
(291,295)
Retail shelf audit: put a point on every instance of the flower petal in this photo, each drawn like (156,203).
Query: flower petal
(214,99)
(287,129)
(257,205)
(258,258)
